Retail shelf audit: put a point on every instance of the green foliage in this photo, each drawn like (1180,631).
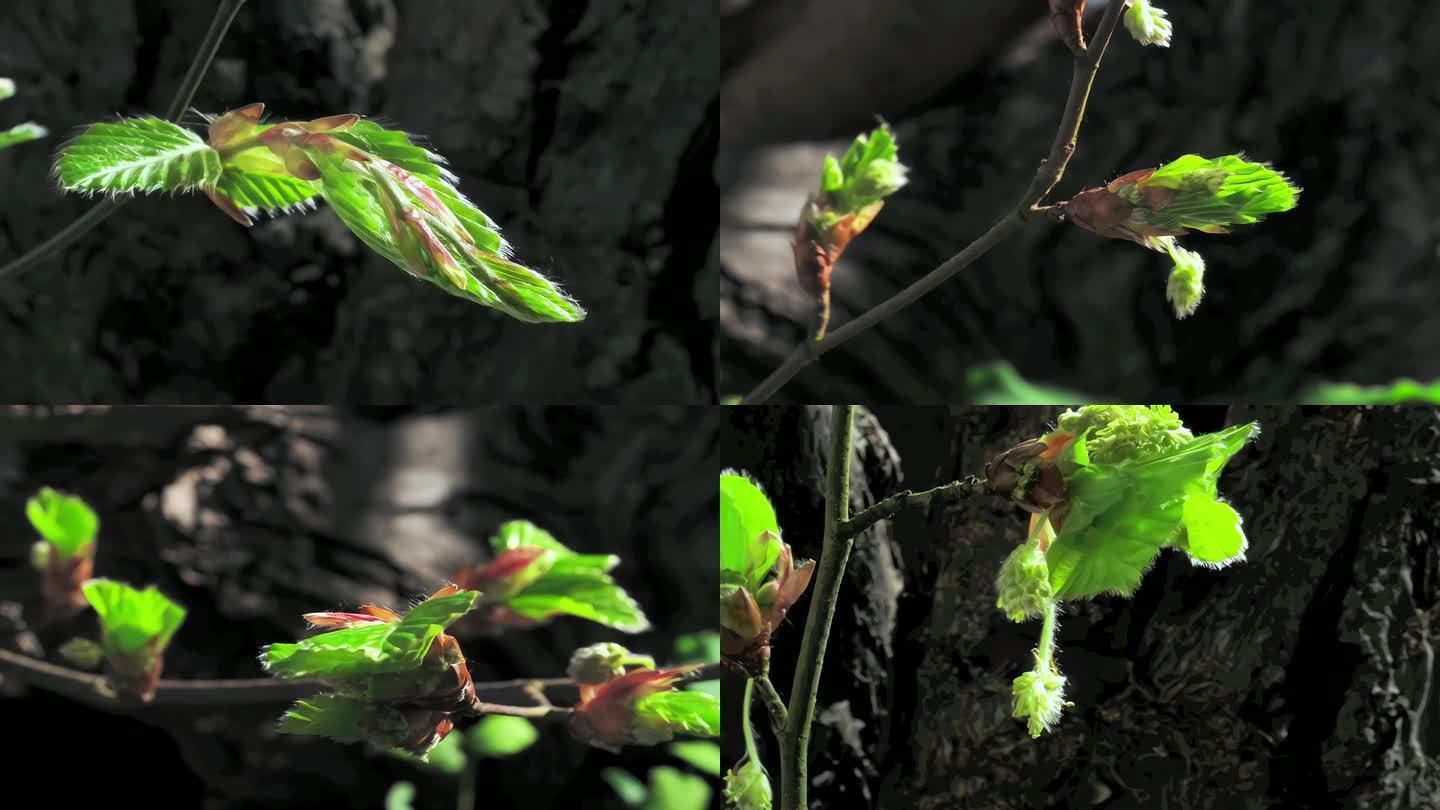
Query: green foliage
(1123,432)
(698,648)
(686,711)
(133,623)
(20,133)
(255,190)
(501,736)
(137,154)
(82,652)
(66,522)
(1402,391)
(400,797)
(747,787)
(1000,384)
(447,757)
(1212,193)
(868,172)
(702,756)
(371,649)
(749,532)
(669,789)
(1148,24)
(341,718)
(1123,513)
(577,585)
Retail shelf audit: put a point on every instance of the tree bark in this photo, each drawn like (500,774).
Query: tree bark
(1303,677)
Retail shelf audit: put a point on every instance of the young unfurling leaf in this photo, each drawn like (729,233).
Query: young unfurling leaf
(395,197)
(135,628)
(137,154)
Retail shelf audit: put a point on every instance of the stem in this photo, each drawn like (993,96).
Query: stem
(745,728)
(1047,635)
(1051,169)
(795,742)
(773,702)
(225,14)
(94,690)
(945,493)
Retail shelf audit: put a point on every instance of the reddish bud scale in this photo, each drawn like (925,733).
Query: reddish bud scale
(604,715)
(64,576)
(1066,16)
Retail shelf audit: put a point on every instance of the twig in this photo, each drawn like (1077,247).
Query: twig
(219,24)
(1051,169)
(795,741)
(773,703)
(95,690)
(953,491)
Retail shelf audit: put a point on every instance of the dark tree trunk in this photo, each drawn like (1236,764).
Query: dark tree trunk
(1304,677)
(251,517)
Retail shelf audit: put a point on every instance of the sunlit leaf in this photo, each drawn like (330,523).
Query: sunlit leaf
(137,154)
(501,736)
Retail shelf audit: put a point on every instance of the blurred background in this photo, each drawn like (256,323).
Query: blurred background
(1304,677)
(1334,93)
(253,516)
(587,130)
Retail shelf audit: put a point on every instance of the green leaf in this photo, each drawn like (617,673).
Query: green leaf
(749,532)
(584,591)
(1210,194)
(400,796)
(82,652)
(273,193)
(66,521)
(372,649)
(698,648)
(132,621)
(1212,536)
(499,735)
(999,383)
(327,715)
(702,756)
(671,789)
(22,133)
(448,756)
(523,533)
(630,790)
(1402,391)
(691,712)
(869,172)
(137,154)
(1123,513)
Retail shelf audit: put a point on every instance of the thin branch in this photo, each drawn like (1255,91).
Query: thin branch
(225,14)
(946,493)
(1051,170)
(773,703)
(829,574)
(94,690)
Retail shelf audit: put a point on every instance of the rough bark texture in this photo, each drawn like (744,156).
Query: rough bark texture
(1304,677)
(586,129)
(1337,289)
(252,517)
(784,449)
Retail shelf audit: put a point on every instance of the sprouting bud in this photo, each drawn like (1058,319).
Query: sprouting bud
(509,573)
(747,787)
(1190,193)
(853,188)
(1148,24)
(1187,280)
(1024,583)
(1066,16)
(1126,432)
(1039,697)
(601,662)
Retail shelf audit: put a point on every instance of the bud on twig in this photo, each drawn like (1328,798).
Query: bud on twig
(1066,16)
(1147,23)
(852,191)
